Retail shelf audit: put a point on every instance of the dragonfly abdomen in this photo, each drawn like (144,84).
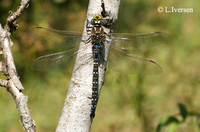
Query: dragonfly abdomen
(97,40)
(94,86)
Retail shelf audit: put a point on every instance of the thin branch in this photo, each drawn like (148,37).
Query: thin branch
(75,114)
(12,19)
(3,83)
(13,84)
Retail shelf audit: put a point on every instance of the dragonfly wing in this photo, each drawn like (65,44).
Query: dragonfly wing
(62,60)
(53,38)
(138,41)
(131,64)
(54,62)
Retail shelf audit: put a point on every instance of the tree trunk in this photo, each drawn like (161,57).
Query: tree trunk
(75,116)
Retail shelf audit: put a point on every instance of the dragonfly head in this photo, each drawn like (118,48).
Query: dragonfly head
(97,21)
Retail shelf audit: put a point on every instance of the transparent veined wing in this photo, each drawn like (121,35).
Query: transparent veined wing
(65,41)
(61,61)
(54,62)
(127,63)
(119,60)
(52,38)
(138,41)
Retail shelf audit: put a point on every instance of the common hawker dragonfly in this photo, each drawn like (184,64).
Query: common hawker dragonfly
(119,44)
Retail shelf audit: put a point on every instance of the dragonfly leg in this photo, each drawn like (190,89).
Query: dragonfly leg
(87,40)
(88,26)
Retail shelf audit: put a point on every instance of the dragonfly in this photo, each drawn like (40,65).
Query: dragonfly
(119,44)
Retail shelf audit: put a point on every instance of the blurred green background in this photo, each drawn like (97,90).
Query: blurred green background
(128,103)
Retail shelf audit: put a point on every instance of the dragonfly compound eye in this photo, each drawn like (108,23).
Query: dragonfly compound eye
(102,22)
(92,22)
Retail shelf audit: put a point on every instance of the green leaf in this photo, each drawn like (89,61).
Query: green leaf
(167,121)
(183,111)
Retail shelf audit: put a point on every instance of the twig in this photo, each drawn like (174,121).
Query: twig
(12,19)
(8,68)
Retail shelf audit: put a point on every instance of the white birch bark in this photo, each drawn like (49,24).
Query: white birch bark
(75,116)
(13,84)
